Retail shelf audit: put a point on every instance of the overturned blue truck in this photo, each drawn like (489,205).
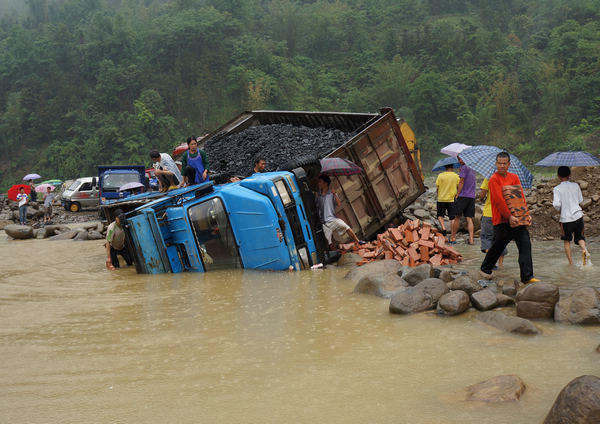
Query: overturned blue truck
(269,221)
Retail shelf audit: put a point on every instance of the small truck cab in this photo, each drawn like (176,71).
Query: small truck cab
(112,177)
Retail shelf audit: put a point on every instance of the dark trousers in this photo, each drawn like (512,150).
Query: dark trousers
(167,181)
(503,234)
(115,260)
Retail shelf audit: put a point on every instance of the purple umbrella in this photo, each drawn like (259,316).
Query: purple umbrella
(31,177)
(130,186)
(339,166)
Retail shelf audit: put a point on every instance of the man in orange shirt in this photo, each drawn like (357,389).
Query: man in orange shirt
(508,226)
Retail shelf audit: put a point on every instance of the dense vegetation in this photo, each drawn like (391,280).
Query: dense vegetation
(84,82)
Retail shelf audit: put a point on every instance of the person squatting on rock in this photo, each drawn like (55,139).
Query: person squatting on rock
(166,170)
(115,243)
(48,198)
(334,228)
(507,227)
(566,199)
(194,164)
(486,235)
(23,200)
(464,205)
(447,185)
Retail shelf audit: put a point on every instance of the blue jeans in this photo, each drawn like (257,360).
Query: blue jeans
(23,214)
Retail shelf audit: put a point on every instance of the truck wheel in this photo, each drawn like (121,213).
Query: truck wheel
(74,207)
(310,164)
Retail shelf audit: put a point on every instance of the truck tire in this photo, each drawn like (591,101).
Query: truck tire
(74,207)
(310,164)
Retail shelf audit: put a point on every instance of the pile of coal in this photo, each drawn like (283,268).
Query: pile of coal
(234,154)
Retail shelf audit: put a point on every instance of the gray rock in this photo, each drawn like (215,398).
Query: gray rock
(484,300)
(453,303)
(445,274)
(464,283)
(502,388)
(17,231)
(94,235)
(586,203)
(422,297)
(534,310)
(421,213)
(381,285)
(418,274)
(577,403)
(349,259)
(508,323)
(509,287)
(504,300)
(539,292)
(581,307)
(387,266)
(5,222)
(81,235)
(67,235)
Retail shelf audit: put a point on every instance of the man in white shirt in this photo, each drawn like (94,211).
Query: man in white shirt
(566,199)
(166,170)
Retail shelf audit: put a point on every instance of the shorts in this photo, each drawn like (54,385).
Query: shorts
(486,236)
(48,211)
(464,206)
(445,208)
(336,229)
(573,228)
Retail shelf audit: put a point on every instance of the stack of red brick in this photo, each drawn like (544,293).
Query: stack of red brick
(412,243)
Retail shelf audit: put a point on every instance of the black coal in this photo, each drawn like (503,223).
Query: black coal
(235,154)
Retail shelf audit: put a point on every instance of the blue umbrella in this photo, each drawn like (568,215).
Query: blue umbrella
(441,164)
(483,160)
(570,159)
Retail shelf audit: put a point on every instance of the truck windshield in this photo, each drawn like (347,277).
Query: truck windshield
(115,181)
(214,235)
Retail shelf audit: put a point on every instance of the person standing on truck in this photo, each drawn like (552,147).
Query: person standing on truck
(194,163)
(23,200)
(447,186)
(465,201)
(115,243)
(327,201)
(166,170)
(566,199)
(507,226)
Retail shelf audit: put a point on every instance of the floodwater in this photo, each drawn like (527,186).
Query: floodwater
(81,344)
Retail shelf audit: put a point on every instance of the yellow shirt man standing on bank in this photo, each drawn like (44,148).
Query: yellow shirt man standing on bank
(447,187)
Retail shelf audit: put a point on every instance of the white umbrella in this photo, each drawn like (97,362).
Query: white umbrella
(130,186)
(454,149)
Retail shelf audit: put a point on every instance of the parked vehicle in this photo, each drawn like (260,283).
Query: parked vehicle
(81,193)
(112,177)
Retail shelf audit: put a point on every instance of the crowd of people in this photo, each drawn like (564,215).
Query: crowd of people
(505,217)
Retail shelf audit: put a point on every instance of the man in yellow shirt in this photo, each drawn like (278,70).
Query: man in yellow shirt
(447,185)
(487,228)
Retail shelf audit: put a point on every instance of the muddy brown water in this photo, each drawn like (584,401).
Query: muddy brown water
(80,344)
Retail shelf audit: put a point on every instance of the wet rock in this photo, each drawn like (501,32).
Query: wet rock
(509,287)
(464,283)
(81,235)
(586,203)
(67,235)
(453,303)
(5,222)
(95,235)
(446,274)
(422,297)
(536,301)
(387,266)
(381,285)
(17,231)
(349,259)
(577,403)
(504,300)
(508,323)
(421,213)
(581,307)
(484,300)
(418,274)
(502,388)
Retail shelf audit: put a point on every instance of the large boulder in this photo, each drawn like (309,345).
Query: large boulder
(5,222)
(422,297)
(536,301)
(381,285)
(485,299)
(502,388)
(508,323)
(453,303)
(464,283)
(347,259)
(81,235)
(67,235)
(17,231)
(94,235)
(415,275)
(387,266)
(581,307)
(577,403)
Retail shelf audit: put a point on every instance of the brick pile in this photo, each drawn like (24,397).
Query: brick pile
(412,243)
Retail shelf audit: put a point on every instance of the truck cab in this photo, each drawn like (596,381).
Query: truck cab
(267,221)
(112,177)
(82,193)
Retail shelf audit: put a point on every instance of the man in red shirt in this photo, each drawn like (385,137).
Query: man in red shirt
(508,225)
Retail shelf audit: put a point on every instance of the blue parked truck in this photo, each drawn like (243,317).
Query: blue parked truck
(267,221)
(112,177)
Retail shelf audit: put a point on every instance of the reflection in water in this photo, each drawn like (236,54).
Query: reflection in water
(80,344)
